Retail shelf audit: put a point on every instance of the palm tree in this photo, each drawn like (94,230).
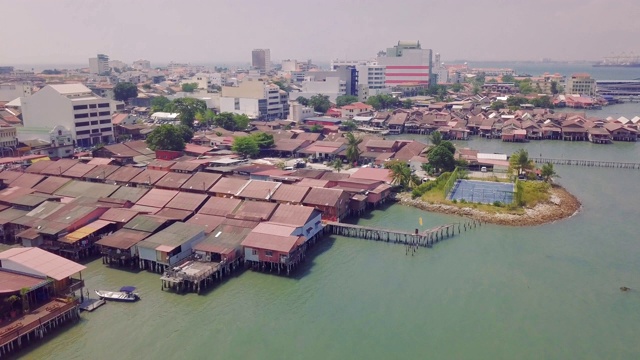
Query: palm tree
(336,164)
(401,174)
(353,151)
(436,138)
(519,161)
(548,172)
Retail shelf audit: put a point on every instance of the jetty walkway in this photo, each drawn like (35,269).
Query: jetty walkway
(591,163)
(425,238)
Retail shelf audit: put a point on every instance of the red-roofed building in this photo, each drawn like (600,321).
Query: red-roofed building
(272,245)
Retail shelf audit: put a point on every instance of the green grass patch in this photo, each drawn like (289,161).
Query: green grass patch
(534,192)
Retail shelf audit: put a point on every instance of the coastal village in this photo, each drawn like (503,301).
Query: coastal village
(96,166)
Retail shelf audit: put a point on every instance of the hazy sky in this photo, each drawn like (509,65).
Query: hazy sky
(217,31)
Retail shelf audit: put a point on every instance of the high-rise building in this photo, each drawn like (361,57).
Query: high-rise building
(99,65)
(261,59)
(142,65)
(256,98)
(582,84)
(406,63)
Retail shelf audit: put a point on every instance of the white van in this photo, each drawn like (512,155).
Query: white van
(483,169)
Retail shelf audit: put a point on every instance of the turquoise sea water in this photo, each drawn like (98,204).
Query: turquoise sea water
(496,292)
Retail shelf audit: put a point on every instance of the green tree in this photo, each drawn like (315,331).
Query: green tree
(343,100)
(315,128)
(401,174)
(189,87)
(441,158)
(232,122)
(125,91)
(283,86)
(353,151)
(542,102)
(383,101)
(320,103)
(519,162)
(516,101)
(159,103)
(497,105)
(245,146)
(263,140)
(554,87)
(507,78)
(456,87)
(349,125)
(168,137)
(436,138)
(407,104)
(548,172)
(188,108)
(302,101)
(336,164)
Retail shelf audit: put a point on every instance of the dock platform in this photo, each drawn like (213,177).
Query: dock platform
(91,304)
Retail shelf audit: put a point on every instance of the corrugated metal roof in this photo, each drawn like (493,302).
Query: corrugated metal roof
(323,197)
(157,198)
(124,174)
(78,170)
(9,215)
(37,167)
(290,193)
(148,177)
(27,180)
(173,180)
(146,223)
(119,215)
(8,176)
(175,235)
(13,282)
(51,184)
(296,215)
(12,193)
(187,201)
(209,222)
(224,239)
(174,214)
(283,244)
(30,200)
(59,167)
(38,261)
(101,171)
(257,189)
(255,210)
(133,194)
(85,231)
(201,181)
(123,239)
(185,166)
(220,206)
(228,186)
(84,188)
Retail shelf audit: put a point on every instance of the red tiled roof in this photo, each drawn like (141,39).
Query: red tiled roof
(158,198)
(220,206)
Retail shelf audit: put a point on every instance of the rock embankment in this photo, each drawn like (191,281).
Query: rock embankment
(561,205)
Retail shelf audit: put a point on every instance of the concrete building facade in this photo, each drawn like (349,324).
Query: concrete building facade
(74,107)
(99,65)
(261,59)
(142,65)
(13,90)
(582,84)
(407,63)
(255,98)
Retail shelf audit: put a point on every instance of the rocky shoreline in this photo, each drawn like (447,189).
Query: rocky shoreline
(561,205)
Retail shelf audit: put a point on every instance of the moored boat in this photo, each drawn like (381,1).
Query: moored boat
(126,293)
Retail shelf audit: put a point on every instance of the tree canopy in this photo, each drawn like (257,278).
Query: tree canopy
(160,103)
(401,174)
(303,101)
(232,122)
(383,101)
(169,137)
(124,91)
(548,172)
(519,162)
(506,78)
(436,138)
(349,125)
(263,140)
(343,100)
(456,87)
(188,108)
(320,103)
(246,146)
(189,87)
(441,157)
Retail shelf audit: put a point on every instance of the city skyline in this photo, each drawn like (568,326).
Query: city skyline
(227,32)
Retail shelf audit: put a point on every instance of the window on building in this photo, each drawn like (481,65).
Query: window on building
(82,132)
(92,106)
(94,123)
(254,252)
(103,105)
(80,116)
(93,114)
(79,107)
(104,113)
(93,131)
(268,253)
(105,121)
(83,123)
(105,129)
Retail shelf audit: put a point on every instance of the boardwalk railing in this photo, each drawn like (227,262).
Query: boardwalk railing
(592,163)
(425,238)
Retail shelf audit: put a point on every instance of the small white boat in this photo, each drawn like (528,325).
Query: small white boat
(125,294)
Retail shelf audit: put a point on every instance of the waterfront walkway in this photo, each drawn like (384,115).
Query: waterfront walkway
(425,238)
(591,163)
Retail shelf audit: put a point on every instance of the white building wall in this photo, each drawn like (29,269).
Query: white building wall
(244,106)
(12,91)
(248,255)
(147,254)
(14,266)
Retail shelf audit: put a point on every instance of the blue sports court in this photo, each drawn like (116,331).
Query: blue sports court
(486,192)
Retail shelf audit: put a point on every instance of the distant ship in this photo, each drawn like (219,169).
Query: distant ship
(619,61)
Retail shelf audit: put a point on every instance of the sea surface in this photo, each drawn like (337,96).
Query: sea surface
(495,292)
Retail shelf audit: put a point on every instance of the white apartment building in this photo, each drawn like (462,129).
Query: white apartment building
(8,136)
(99,65)
(13,90)
(255,98)
(335,64)
(73,106)
(142,65)
(330,86)
(582,84)
(407,63)
(299,112)
(261,59)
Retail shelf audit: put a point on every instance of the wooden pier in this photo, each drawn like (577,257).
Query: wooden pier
(425,238)
(588,163)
